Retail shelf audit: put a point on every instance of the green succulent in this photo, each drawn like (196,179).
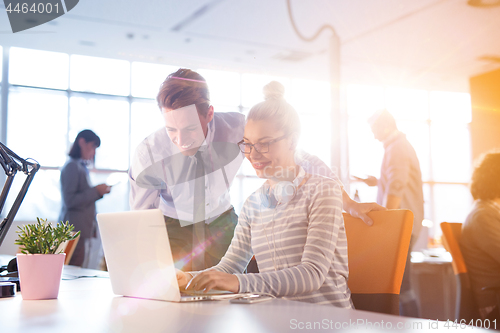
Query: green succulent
(43,238)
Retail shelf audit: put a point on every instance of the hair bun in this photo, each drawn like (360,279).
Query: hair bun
(273,90)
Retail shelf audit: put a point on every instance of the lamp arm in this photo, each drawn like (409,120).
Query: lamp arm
(8,161)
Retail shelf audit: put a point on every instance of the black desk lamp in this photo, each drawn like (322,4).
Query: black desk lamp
(10,163)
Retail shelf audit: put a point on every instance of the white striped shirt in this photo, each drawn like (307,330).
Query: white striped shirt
(300,247)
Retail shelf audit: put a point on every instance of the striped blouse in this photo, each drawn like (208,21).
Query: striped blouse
(300,246)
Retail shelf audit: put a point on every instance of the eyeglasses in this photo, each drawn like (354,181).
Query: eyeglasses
(259,147)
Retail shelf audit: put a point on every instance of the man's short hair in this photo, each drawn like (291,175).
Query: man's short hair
(182,88)
(383,117)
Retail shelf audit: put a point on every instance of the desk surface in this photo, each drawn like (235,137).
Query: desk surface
(88,305)
(431,256)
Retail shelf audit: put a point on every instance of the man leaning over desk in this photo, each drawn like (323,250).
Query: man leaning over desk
(186,169)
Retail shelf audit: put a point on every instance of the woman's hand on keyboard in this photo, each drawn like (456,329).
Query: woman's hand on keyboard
(212,279)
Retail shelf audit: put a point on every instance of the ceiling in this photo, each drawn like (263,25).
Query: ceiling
(430,44)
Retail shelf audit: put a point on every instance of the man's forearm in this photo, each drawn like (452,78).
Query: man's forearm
(359,209)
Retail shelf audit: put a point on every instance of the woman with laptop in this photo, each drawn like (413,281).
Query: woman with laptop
(293,224)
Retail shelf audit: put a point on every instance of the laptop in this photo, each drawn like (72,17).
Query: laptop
(139,258)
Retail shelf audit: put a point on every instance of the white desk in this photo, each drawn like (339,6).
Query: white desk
(88,305)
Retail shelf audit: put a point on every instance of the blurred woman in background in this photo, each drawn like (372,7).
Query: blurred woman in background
(79,197)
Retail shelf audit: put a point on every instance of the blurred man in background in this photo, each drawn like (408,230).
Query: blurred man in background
(399,187)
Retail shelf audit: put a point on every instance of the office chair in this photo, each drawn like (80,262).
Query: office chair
(377,258)
(466,307)
(70,248)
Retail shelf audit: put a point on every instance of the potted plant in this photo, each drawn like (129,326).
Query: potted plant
(40,262)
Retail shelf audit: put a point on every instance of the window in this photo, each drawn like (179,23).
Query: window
(38,68)
(452,202)
(311,99)
(450,153)
(450,114)
(224,89)
(112,127)
(145,119)
(407,104)
(99,75)
(315,135)
(38,124)
(450,107)
(417,132)
(147,78)
(42,123)
(365,154)
(117,199)
(252,85)
(1,64)
(42,200)
(363,101)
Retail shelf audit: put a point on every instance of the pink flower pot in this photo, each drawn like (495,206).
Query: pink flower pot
(40,274)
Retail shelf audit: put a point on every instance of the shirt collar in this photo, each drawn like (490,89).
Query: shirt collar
(210,132)
(209,138)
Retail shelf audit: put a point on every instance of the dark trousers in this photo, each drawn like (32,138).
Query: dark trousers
(187,246)
(408,305)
